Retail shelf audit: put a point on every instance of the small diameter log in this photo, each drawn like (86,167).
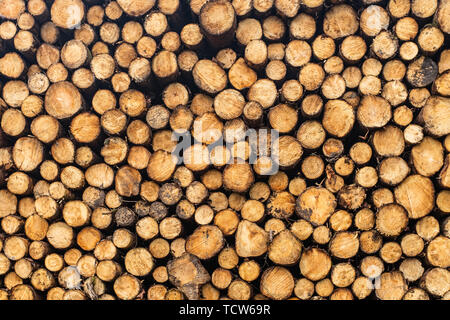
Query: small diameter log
(391,228)
(188,274)
(251,240)
(285,248)
(238,177)
(136,8)
(340,21)
(60,235)
(435,281)
(218,22)
(127,287)
(346,120)
(277,283)
(421,72)
(392,286)
(240,75)
(431,112)
(63,100)
(253,114)
(205,242)
(165,67)
(422,202)
(344,245)
(374,19)
(101,200)
(315,264)
(139,262)
(313,210)
(209,76)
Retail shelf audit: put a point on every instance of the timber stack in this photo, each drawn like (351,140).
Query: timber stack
(225,149)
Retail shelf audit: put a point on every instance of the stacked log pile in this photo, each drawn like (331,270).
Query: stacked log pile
(349,200)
